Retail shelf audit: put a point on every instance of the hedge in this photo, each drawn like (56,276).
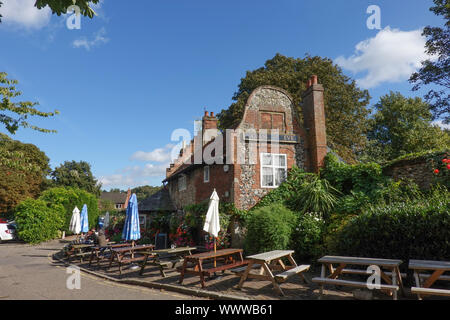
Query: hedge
(269,228)
(69,198)
(417,229)
(37,221)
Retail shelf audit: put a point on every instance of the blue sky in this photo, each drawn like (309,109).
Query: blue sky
(138,71)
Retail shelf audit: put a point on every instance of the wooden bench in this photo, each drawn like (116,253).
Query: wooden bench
(365,272)
(166,258)
(282,277)
(358,284)
(430,291)
(268,262)
(194,264)
(424,281)
(224,267)
(392,278)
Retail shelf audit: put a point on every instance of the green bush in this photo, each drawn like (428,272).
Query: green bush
(37,221)
(307,237)
(269,228)
(69,198)
(417,229)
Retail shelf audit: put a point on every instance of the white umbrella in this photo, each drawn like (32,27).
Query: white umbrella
(75,221)
(212,221)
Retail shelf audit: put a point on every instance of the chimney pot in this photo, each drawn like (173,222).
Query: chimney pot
(212,114)
(314,79)
(206,113)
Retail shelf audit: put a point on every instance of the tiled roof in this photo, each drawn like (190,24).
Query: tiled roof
(159,201)
(116,197)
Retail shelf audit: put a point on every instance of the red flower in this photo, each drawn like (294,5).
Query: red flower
(436,171)
(448,166)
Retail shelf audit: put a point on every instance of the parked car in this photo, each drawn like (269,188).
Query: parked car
(7,230)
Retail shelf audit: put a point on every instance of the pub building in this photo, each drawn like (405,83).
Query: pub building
(247,164)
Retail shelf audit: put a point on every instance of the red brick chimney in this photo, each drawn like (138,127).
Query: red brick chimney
(314,122)
(209,127)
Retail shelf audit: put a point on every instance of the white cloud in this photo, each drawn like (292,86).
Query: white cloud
(98,39)
(441,124)
(23,13)
(157,155)
(391,56)
(134,176)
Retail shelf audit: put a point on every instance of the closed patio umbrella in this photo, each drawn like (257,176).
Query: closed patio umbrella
(212,221)
(75,221)
(84,219)
(106,222)
(131,229)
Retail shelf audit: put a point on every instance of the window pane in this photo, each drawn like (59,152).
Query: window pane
(267,177)
(280,160)
(267,159)
(280,176)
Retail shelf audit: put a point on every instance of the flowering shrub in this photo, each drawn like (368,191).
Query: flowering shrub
(441,170)
(182,237)
(223,241)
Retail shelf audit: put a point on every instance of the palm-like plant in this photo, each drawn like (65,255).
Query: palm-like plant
(315,195)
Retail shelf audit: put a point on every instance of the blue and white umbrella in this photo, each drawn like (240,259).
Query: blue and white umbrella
(84,219)
(131,229)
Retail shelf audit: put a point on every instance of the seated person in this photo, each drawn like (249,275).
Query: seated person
(101,238)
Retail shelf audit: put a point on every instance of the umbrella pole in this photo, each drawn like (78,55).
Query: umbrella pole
(215,250)
(132,251)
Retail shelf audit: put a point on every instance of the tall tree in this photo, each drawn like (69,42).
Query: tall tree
(76,174)
(143,192)
(437,71)
(400,126)
(22,172)
(344,102)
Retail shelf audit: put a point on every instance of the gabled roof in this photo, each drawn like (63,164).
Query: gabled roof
(116,197)
(159,201)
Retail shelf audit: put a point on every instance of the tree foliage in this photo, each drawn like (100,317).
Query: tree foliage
(77,175)
(15,114)
(401,126)
(60,6)
(23,168)
(344,102)
(437,71)
(143,192)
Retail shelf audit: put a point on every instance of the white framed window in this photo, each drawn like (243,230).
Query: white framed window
(182,183)
(273,169)
(206,174)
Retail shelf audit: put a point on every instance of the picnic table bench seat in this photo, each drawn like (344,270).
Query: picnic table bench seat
(282,277)
(358,284)
(424,281)
(388,268)
(430,291)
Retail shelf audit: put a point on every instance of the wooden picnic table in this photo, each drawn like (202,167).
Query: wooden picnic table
(437,269)
(120,254)
(269,262)
(228,258)
(97,250)
(165,257)
(392,278)
(78,250)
